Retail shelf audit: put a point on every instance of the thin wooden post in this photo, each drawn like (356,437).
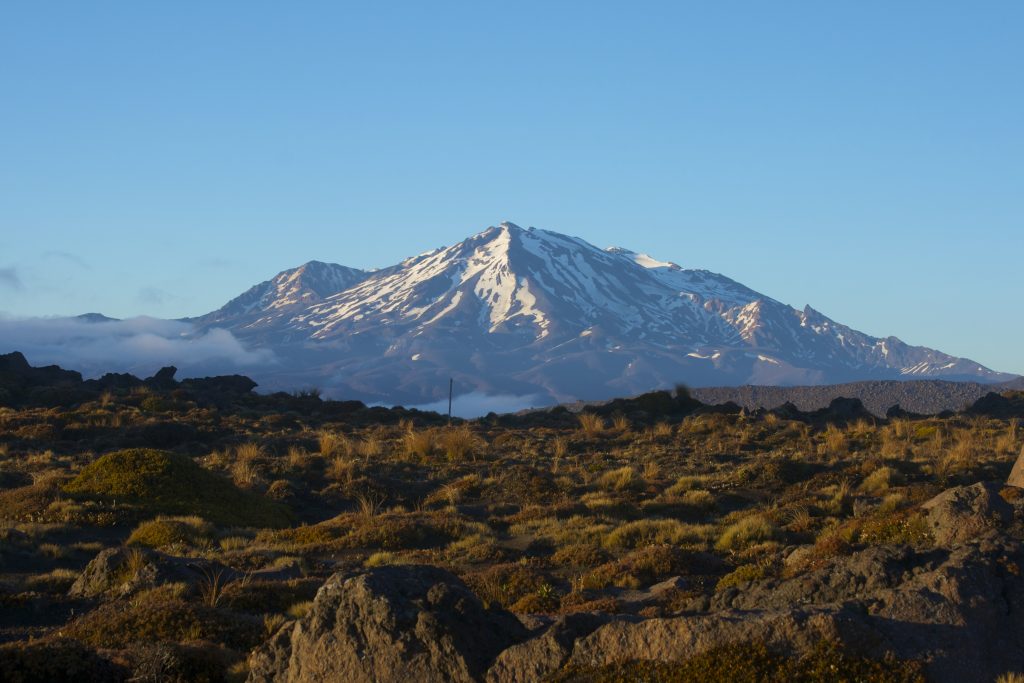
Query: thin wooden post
(451,386)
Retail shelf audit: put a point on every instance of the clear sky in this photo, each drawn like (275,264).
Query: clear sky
(866,158)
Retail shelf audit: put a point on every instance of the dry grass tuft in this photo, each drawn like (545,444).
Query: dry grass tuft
(333,444)
(458,443)
(746,532)
(621,479)
(420,443)
(591,424)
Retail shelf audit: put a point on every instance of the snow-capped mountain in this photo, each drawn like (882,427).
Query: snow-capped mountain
(287,292)
(536,313)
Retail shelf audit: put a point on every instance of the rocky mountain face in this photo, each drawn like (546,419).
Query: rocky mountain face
(548,317)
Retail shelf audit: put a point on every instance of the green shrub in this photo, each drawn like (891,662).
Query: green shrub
(165,482)
(742,574)
(903,527)
(164,531)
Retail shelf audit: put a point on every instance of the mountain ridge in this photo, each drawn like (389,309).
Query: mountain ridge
(539,314)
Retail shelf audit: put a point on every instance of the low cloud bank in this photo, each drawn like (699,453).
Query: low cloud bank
(478,404)
(140,346)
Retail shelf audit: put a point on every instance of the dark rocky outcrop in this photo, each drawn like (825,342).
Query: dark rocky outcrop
(15,372)
(163,379)
(400,623)
(1003,406)
(897,412)
(117,572)
(50,385)
(24,385)
(226,385)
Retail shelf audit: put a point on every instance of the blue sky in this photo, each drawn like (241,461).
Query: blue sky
(865,158)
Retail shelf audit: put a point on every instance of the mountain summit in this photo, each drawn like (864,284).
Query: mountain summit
(530,312)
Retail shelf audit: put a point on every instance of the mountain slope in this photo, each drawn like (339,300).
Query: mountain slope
(539,314)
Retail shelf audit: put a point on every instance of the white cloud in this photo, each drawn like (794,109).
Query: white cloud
(137,345)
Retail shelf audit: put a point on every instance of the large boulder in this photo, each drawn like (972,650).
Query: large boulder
(400,623)
(1016,477)
(676,639)
(116,572)
(548,651)
(965,512)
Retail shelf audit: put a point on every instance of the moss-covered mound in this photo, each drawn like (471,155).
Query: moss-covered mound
(165,531)
(160,615)
(163,482)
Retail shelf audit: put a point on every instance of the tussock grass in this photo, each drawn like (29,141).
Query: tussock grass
(458,443)
(746,532)
(591,424)
(658,531)
(621,479)
(421,444)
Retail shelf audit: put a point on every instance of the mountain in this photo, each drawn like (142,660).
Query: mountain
(290,291)
(540,315)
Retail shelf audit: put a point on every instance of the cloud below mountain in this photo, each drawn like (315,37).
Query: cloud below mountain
(477,404)
(137,345)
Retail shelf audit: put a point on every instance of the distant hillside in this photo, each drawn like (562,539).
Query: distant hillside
(918,396)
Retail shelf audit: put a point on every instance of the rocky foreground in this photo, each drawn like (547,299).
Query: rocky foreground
(156,530)
(958,609)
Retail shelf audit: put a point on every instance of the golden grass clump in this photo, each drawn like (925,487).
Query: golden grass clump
(421,443)
(591,424)
(835,440)
(370,447)
(458,443)
(332,444)
(621,479)
(297,457)
(746,532)
(644,532)
(342,469)
(245,473)
(879,481)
